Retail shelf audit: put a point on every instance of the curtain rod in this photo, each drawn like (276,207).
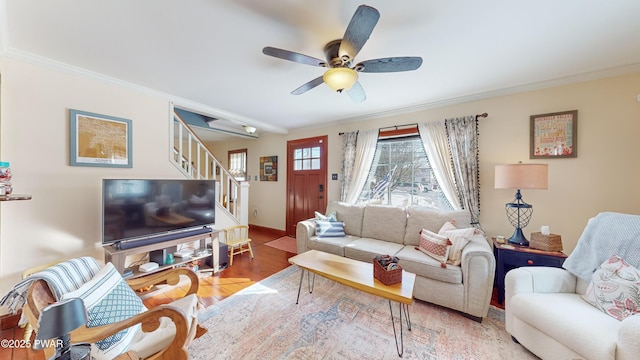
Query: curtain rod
(484,115)
(342,133)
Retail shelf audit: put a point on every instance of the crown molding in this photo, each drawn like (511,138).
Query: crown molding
(178,101)
(567,80)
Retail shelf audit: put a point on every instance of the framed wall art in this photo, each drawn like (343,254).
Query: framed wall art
(269,168)
(99,140)
(554,135)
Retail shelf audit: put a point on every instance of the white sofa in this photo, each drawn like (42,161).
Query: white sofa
(378,230)
(544,308)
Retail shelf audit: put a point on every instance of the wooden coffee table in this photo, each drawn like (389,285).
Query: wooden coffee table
(359,275)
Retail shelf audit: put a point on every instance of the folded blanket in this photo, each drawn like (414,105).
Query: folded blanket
(606,234)
(61,278)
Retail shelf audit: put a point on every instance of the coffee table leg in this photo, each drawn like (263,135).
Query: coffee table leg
(310,282)
(405,307)
(300,285)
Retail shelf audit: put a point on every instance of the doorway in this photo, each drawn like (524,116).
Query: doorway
(306,180)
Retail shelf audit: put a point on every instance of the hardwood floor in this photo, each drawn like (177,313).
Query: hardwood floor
(244,272)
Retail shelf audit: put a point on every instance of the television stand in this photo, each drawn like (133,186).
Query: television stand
(118,257)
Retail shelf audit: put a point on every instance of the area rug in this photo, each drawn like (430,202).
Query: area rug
(285,243)
(337,322)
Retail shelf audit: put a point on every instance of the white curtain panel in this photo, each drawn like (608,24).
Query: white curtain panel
(365,151)
(434,140)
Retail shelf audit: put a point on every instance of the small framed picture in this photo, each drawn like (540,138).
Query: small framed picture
(554,135)
(269,168)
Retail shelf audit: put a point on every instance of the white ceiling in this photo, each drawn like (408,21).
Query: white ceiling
(206,55)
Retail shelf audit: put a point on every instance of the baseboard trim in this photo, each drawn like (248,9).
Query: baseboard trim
(277,232)
(9,321)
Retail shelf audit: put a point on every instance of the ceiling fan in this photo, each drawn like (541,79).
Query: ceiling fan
(340,53)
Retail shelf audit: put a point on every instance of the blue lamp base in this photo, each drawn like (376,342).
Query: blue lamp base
(518,238)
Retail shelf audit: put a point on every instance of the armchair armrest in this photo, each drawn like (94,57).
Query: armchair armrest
(304,230)
(171,277)
(150,321)
(628,344)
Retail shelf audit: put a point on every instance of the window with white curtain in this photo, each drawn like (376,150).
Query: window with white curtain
(401,175)
(238,164)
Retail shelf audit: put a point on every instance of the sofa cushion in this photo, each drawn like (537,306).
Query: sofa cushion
(435,245)
(109,299)
(421,264)
(350,214)
(419,218)
(329,229)
(384,222)
(615,289)
(570,321)
(365,249)
(332,245)
(146,344)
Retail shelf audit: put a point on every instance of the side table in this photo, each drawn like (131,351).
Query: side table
(509,257)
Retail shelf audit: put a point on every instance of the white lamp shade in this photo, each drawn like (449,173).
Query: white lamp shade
(521,176)
(340,78)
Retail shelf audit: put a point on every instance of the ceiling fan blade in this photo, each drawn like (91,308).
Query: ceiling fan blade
(356,93)
(358,31)
(308,86)
(391,64)
(293,56)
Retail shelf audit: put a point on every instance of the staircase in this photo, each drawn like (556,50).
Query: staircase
(195,161)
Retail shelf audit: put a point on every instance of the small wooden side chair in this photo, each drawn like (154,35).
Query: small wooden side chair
(237,239)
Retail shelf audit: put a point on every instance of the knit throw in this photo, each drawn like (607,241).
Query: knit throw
(606,234)
(61,278)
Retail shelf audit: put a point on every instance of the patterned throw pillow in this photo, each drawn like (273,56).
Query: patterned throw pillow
(434,245)
(615,289)
(328,217)
(326,229)
(109,299)
(459,239)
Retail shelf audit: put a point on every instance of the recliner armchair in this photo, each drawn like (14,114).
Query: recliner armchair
(544,308)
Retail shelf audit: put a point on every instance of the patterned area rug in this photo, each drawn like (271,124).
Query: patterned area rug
(285,243)
(337,322)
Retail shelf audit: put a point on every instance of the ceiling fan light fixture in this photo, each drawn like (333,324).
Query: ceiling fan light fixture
(340,78)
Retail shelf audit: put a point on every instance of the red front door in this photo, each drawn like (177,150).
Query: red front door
(306,179)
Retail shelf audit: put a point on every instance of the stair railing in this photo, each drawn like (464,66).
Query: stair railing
(195,161)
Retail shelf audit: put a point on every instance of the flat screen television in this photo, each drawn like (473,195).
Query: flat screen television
(136,209)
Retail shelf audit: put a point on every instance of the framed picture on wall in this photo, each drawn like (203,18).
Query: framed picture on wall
(269,168)
(554,135)
(99,140)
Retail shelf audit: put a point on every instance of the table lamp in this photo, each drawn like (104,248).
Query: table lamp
(54,325)
(520,176)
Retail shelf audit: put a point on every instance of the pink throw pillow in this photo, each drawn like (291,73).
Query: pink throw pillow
(435,246)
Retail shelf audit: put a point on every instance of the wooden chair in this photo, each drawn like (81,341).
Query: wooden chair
(39,296)
(237,239)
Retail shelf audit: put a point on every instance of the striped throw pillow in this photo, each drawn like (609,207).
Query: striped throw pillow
(109,299)
(326,229)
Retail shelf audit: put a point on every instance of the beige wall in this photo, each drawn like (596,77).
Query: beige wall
(603,177)
(63,219)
